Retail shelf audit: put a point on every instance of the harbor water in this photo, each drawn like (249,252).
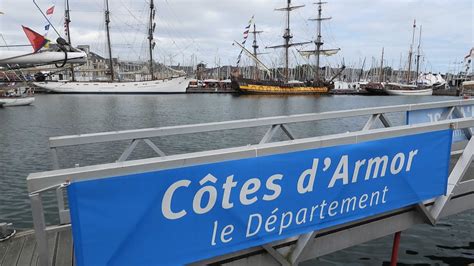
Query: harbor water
(24,133)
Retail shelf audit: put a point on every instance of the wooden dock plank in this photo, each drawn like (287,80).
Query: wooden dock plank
(52,238)
(29,247)
(52,242)
(13,251)
(35,258)
(3,249)
(64,250)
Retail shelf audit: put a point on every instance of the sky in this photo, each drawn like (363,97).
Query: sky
(190,31)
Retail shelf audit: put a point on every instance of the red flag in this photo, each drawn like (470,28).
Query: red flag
(37,40)
(50,10)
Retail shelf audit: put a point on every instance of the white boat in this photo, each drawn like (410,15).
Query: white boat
(23,58)
(19,96)
(42,57)
(468,85)
(16,101)
(344,85)
(431,80)
(404,89)
(171,85)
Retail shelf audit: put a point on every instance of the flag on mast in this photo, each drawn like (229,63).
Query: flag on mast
(37,40)
(246,35)
(50,10)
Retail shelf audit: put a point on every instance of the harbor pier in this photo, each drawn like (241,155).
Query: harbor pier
(444,193)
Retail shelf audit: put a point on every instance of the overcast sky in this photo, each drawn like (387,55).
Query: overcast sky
(207,28)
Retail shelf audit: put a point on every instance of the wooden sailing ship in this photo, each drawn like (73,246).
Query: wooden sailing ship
(376,87)
(282,84)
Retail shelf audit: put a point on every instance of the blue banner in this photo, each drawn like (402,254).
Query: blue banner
(183,215)
(434,114)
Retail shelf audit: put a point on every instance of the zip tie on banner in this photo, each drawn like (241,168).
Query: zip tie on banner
(62,185)
(65,184)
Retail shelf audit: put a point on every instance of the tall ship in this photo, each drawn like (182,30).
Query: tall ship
(410,87)
(283,84)
(175,84)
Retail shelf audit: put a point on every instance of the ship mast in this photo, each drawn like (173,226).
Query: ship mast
(410,53)
(67,20)
(319,43)
(418,56)
(255,47)
(381,67)
(107,21)
(287,37)
(151,29)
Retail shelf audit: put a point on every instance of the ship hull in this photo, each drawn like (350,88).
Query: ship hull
(16,101)
(174,85)
(375,88)
(376,91)
(403,90)
(424,92)
(270,87)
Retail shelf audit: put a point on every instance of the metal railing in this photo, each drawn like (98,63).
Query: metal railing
(143,134)
(274,124)
(58,179)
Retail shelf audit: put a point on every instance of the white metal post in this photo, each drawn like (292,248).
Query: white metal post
(40,229)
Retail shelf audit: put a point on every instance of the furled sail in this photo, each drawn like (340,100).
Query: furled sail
(289,8)
(285,45)
(328,52)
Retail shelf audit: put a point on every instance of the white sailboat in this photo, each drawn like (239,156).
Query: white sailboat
(175,84)
(400,89)
(172,85)
(410,88)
